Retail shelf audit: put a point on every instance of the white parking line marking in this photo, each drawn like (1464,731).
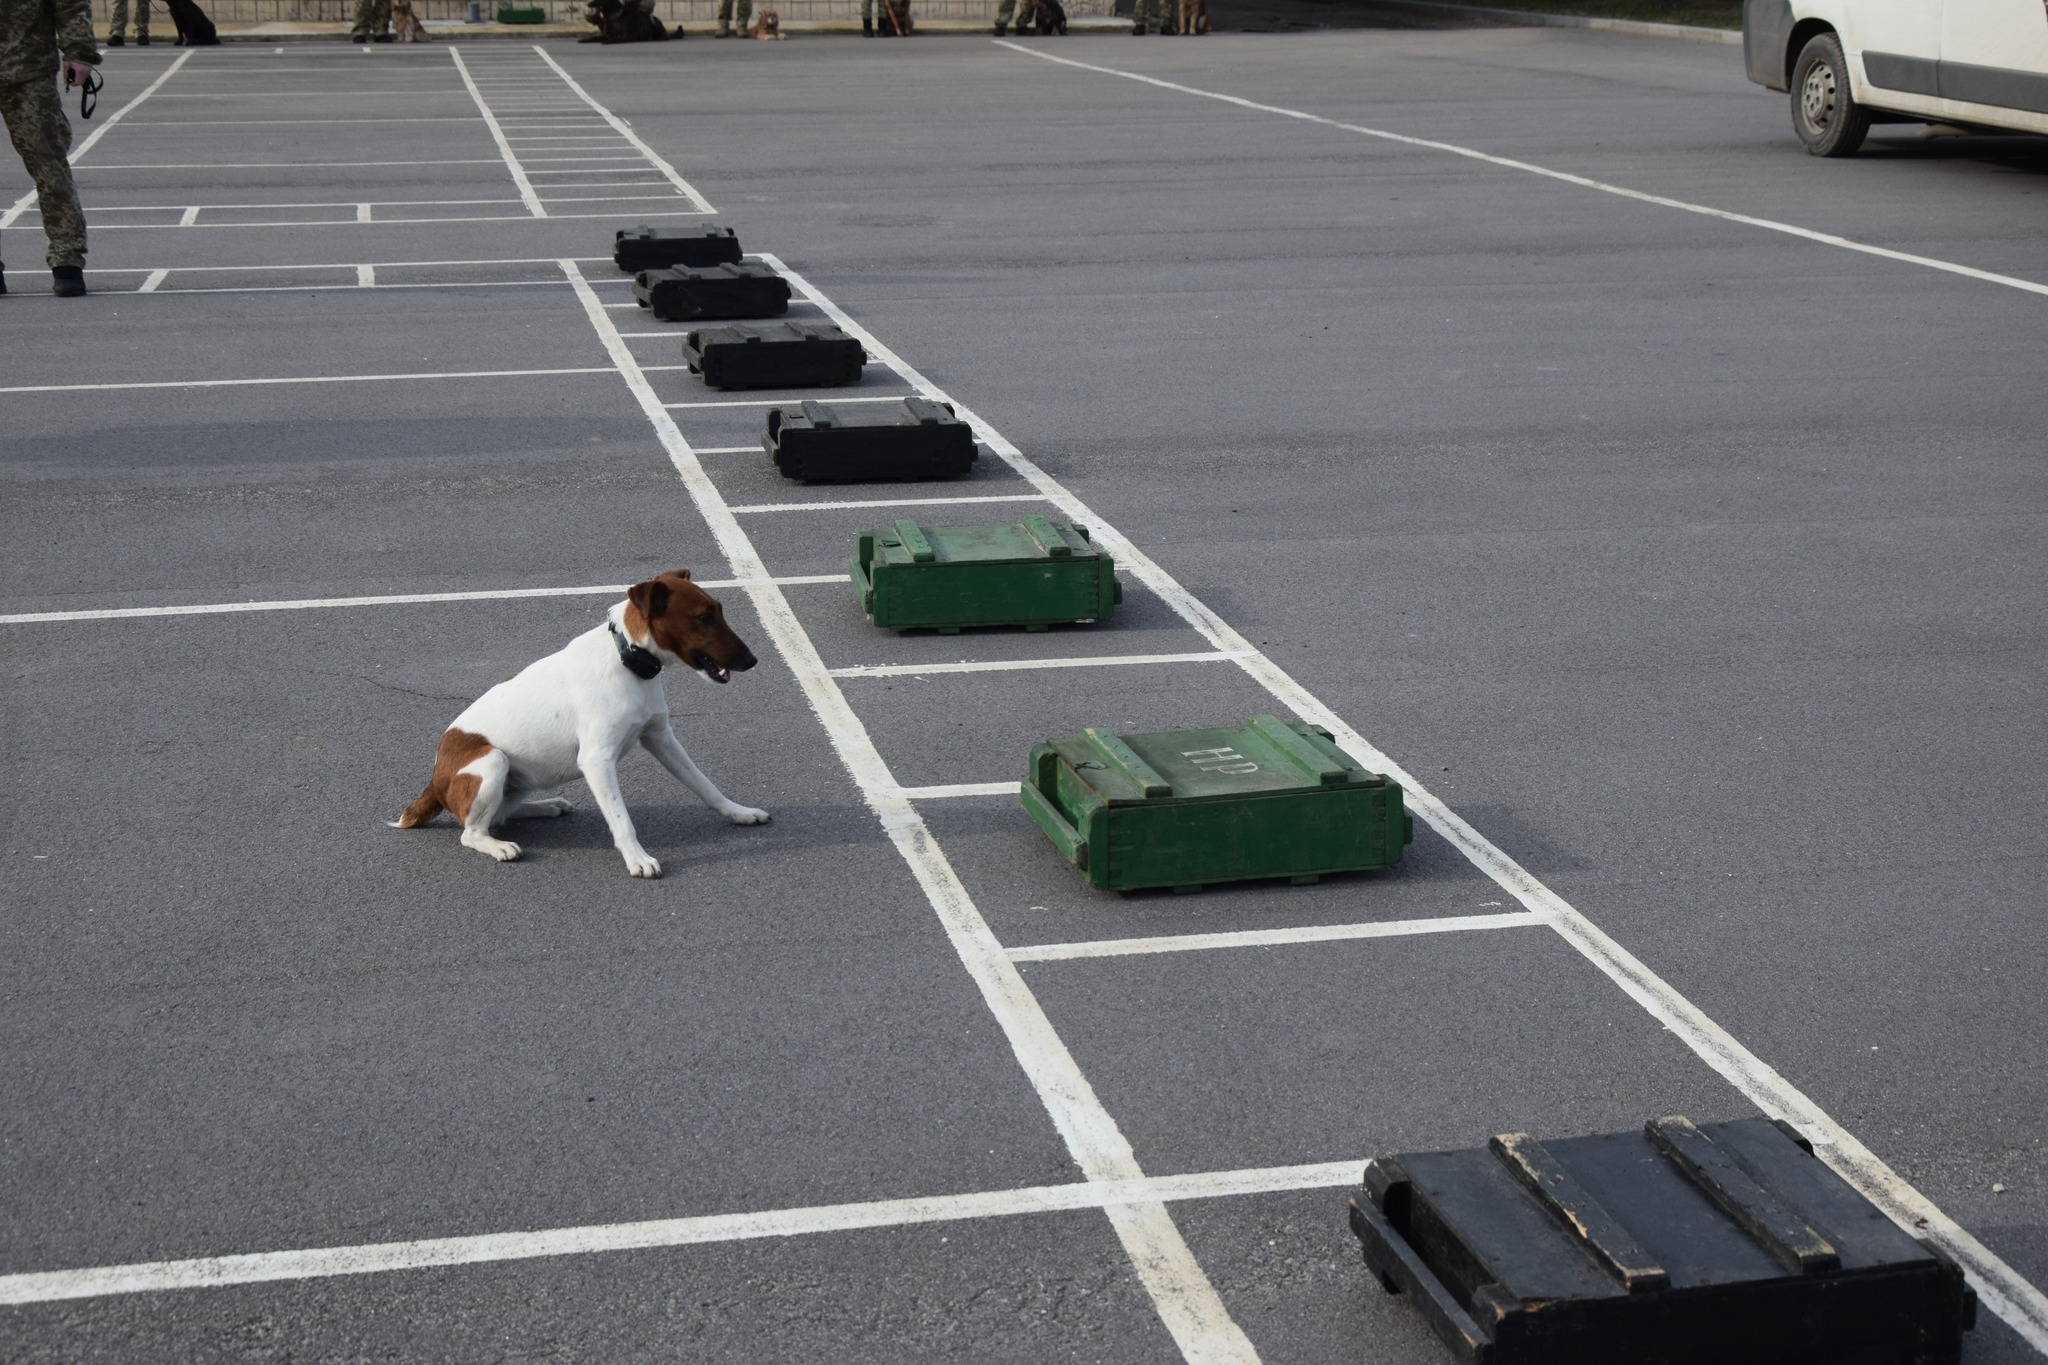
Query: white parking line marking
(959,789)
(619,125)
(751,402)
(188,217)
(872,502)
(1022,665)
(209,1272)
(345,265)
(366,277)
(399,222)
(518,172)
(149,285)
(298,379)
(8,218)
(1584,182)
(1272,938)
(382,600)
(2001,1288)
(1186,1301)
(277,165)
(722,450)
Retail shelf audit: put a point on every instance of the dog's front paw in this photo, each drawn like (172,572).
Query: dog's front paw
(504,850)
(747,815)
(642,864)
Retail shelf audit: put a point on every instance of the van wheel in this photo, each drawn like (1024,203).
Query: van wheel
(1824,114)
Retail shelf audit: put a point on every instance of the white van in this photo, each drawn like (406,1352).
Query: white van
(1851,63)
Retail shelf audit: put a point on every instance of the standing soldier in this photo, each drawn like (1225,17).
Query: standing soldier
(117,23)
(725,16)
(1023,9)
(372,25)
(36,38)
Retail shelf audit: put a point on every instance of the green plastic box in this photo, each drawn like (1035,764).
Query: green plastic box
(1030,573)
(1188,808)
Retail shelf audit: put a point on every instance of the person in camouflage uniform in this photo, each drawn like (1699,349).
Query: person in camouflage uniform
(372,25)
(36,38)
(1025,10)
(1166,12)
(117,23)
(872,22)
(725,17)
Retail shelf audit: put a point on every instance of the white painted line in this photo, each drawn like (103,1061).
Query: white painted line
(752,402)
(212,1272)
(189,216)
(724,450)
(149,285)
(1186,1301)
(2002,1289)
(277,165)
(349,265)
(1584,182)
(684,187)
(316,288)
(313,204)
(1272,938)
(871,502)
(363,213)
(518,172)
(28,618)
(296,379)
(274,122)
(366,277)
(959,789)
(401,222)
(8,218)
(1019,665)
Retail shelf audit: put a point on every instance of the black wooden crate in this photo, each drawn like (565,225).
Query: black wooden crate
(1722,1244)
(779,355)
(635,249)
(816,442)
(691,293)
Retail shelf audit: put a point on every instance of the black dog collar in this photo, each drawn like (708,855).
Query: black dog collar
(638,659)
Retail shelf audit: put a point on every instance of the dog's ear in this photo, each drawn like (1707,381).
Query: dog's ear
(649,598)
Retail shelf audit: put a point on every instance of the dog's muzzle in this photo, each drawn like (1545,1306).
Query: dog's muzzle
(718,672)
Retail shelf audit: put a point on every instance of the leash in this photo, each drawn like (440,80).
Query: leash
(638,659)
(89,93)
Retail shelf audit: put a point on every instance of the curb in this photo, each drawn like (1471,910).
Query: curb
(1729,37)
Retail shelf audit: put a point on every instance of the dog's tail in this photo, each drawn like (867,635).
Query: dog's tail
(419,812)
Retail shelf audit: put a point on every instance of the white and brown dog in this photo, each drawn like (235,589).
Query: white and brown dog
(576,712)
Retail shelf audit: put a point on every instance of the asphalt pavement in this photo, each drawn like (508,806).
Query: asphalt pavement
(1696,564)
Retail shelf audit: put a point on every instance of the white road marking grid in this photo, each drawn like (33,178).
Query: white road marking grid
(1136,1204)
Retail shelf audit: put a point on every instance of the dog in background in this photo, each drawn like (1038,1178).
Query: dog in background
(1194,16)
(1051,18)
(767,25)
(575,713)
(405,25)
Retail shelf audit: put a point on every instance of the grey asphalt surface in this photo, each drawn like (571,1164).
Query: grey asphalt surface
(1697,566)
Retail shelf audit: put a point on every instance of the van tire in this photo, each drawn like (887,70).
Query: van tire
(1824,112)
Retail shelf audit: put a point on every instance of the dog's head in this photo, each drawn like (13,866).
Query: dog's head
(684,624)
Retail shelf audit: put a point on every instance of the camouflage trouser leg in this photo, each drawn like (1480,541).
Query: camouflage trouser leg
(725,8)
(117,18)
(1156,10)
(35,121)
(1023,9)
(372,18)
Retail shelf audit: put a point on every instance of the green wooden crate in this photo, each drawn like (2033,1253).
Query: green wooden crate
(1030,573)
(1270,798)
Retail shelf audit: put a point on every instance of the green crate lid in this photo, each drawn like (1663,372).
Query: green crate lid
(1033,540)
(1265,754)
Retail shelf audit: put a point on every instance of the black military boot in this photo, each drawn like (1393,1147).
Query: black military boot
(867,28)
(3,279)
(142,40)
(117,41)
(1003,29)
(67,281)
(1138,28)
